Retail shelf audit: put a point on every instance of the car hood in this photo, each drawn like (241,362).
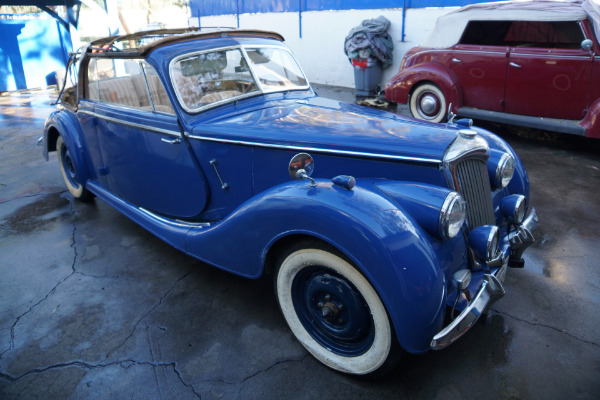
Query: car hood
(322,125)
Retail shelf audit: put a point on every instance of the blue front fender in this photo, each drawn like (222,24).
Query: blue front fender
(382,240)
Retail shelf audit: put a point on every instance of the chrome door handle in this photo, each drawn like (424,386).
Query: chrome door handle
(456,60)
(171,141)
(512,64)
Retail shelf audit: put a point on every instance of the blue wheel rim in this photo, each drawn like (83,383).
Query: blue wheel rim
(333,311)
(68,166)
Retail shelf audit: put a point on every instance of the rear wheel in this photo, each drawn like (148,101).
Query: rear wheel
(334,311)
(427,102)
(67,167)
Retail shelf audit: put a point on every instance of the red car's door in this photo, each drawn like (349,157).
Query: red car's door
(548,71)
(552,83)
(481,71)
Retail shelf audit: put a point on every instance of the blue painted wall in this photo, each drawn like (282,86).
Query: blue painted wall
(32,47)
(204,8)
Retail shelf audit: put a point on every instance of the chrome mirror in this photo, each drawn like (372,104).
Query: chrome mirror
(587,44)
(301,167)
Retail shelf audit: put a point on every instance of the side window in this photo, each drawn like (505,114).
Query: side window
(485,33)
(559,34)
(92,92)
(212,77)
(121,82)
(158,94)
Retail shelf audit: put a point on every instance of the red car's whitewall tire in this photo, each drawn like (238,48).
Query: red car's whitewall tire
(427,102)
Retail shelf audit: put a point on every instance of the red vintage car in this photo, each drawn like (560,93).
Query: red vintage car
(530,63)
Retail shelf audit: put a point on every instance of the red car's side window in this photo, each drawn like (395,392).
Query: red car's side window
(557,34)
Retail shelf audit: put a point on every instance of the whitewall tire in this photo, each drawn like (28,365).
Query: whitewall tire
(427,102)
(334,312)
(67,168)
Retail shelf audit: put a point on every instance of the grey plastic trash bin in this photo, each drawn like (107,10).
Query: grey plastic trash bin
(367,75)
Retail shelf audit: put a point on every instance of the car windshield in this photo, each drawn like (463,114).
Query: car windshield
(276,69)
(203,80)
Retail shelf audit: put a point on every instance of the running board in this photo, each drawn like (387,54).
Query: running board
(548,124)
(171,231)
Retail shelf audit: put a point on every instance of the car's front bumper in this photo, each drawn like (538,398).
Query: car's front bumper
(490,290)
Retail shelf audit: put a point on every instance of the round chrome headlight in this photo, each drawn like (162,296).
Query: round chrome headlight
(484,240)
(493,242)
(504,171)
(513,207)
(452,215)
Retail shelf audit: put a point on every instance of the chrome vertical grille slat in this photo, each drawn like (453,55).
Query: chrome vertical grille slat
(473,184)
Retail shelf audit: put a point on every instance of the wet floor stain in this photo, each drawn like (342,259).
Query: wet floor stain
(47,209)
(534,262)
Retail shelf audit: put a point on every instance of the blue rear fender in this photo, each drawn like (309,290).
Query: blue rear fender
(381,239)
(66,124)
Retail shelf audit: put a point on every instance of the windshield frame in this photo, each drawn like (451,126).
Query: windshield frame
(242,48)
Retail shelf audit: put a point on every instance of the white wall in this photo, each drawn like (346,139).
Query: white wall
(320,50)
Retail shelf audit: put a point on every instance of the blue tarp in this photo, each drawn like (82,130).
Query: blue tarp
(202,8)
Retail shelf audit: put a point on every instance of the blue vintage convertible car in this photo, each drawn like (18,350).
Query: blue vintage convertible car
(383,234)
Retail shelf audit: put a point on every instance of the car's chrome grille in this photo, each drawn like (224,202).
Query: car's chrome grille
(472,182)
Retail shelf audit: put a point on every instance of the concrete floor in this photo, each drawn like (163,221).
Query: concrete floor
(94,307)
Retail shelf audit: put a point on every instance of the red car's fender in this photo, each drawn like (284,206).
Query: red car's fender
(591,122)
(402,84)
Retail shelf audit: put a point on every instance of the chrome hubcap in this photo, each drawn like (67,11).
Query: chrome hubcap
(429,104)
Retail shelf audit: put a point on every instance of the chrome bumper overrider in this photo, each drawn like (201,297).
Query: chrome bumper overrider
(521,238)
(491,289)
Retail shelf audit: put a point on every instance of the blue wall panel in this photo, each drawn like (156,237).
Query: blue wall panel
(31,49)
(264,6)
(226,7)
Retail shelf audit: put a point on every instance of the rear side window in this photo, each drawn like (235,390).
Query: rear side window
(129,83)
(559,34)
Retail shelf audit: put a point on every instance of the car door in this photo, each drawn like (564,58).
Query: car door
(548,71)
(481,71)
(143,157)
(208,85)
(479,61)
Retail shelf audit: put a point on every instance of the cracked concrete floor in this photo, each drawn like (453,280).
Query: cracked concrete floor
(94,307)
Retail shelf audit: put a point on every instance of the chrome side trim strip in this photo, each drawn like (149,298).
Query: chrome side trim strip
(177,222)
(266,145)
(132,124)
(553,56)
(501,52)
(318,150)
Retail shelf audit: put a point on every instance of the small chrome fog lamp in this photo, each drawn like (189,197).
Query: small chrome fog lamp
(461,279)
(452,215)
(504,171)
(513,207)
(484,241)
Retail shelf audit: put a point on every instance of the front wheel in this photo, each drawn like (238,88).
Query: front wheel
(427,102)
(334,312)
(68,172)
